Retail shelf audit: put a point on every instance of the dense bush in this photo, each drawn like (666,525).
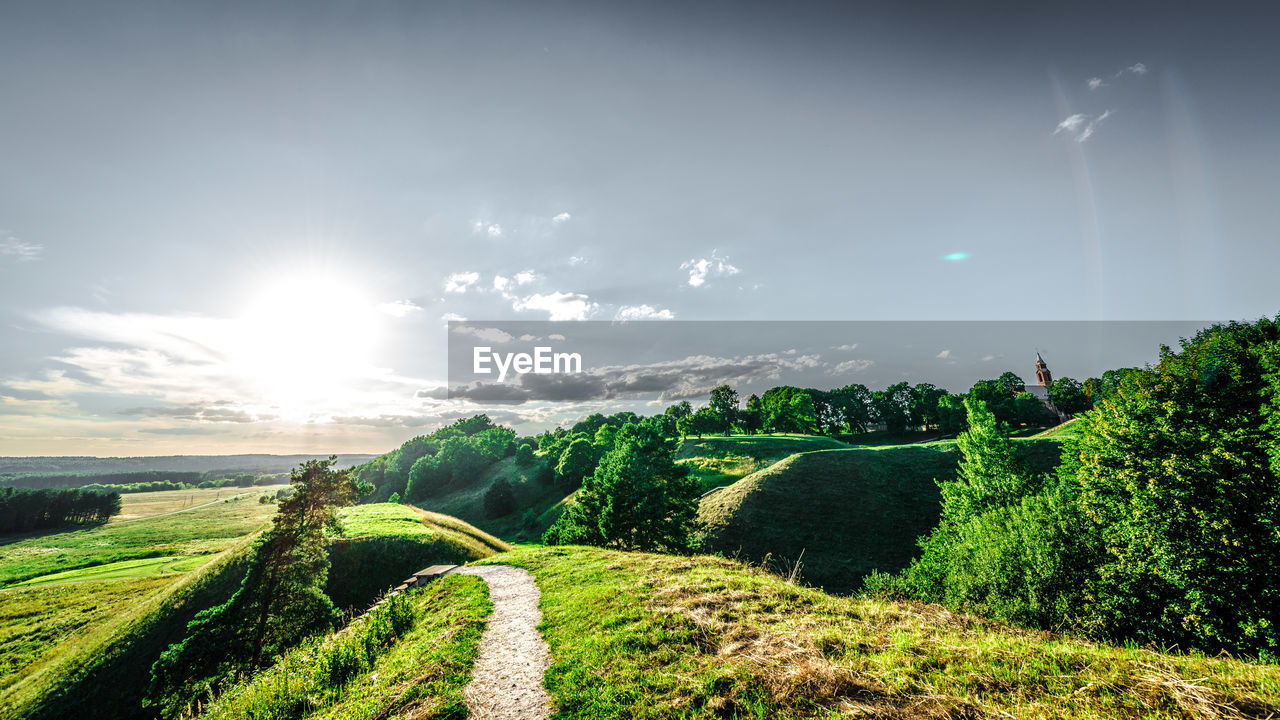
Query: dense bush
(1162,525)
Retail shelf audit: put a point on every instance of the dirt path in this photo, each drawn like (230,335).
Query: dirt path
(507,680)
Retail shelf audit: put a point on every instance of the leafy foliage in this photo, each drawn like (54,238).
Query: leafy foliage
(638,498)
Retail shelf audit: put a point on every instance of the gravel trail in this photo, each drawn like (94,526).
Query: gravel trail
(507,679)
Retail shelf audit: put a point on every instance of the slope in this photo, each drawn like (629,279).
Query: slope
(840,513)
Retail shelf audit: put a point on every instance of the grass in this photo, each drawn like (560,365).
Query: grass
(204,531)
(533,498)
(149,504)
(98,639)
(360,673)
(634,635)
(34,620)
(383,543)
(839,513)
(122,570)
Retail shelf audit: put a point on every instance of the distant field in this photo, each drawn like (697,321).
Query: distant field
(203,531)
(148,504)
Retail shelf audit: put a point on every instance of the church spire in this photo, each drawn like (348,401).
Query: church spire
(1043,376)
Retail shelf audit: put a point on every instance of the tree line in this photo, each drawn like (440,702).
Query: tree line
(142,480)
(25,509)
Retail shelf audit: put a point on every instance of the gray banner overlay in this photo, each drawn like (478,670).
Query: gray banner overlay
(518,362)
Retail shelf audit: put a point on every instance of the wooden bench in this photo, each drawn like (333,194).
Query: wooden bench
(422,577)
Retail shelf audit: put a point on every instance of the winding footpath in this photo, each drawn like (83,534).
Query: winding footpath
(506,681)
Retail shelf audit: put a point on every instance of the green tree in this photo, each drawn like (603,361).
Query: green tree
(1069,396)
(499,500)
(1029,410)
(724,406)
(575,463)
(637,499)
(752,416)
(280,600)
(1176,472)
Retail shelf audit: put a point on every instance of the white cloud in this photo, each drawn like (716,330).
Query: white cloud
(1081,126)
(501,283)
(850,347)
(1137,69)
(1095,83)
(452,317)
(643,312)
(493,335)
(700,269)
(945,354)
(988,358)
(561,218)
(19,250)
(459,282)
(560,306)
(524,277)
(576,259)
(851,366)
(399,308)
(555,336)
(482,227)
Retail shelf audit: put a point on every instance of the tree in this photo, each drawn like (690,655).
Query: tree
(637,499)
(923,411)
(853,403)
(499,500)
(1177,473)
(1029,410)
(751,418)
(891,406)
(524,455)
(576,462)
(1069,396)
(992,472)
(724,406)
(280,600)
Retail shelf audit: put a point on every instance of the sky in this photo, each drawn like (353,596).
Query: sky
(244,227)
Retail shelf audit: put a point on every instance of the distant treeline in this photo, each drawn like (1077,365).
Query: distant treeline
(209,464)
(142,481)
(23,509)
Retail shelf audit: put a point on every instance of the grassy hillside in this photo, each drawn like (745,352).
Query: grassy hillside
(383,543)
(534,499)
(848,511)
(92,643)
(634,635)
(718,461)
(351,676)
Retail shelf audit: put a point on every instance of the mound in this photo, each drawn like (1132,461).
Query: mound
(634,635)
(384,543)
(840,513)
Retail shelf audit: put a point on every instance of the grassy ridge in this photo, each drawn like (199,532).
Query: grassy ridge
(383,543)
(841,513)
(101,670)
(420,675)
(634,635)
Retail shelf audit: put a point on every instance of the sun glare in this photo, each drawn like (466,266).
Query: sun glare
(307,340)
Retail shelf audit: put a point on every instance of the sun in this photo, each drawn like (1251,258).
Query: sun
(307,339)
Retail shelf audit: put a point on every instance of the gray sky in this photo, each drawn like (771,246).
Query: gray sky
(174,176)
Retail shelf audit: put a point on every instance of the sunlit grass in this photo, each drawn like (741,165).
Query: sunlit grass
(635,635)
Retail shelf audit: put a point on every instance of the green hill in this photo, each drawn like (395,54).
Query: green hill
(635,635)
(718,461)
(383,543)
(534,498)
(839,513)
